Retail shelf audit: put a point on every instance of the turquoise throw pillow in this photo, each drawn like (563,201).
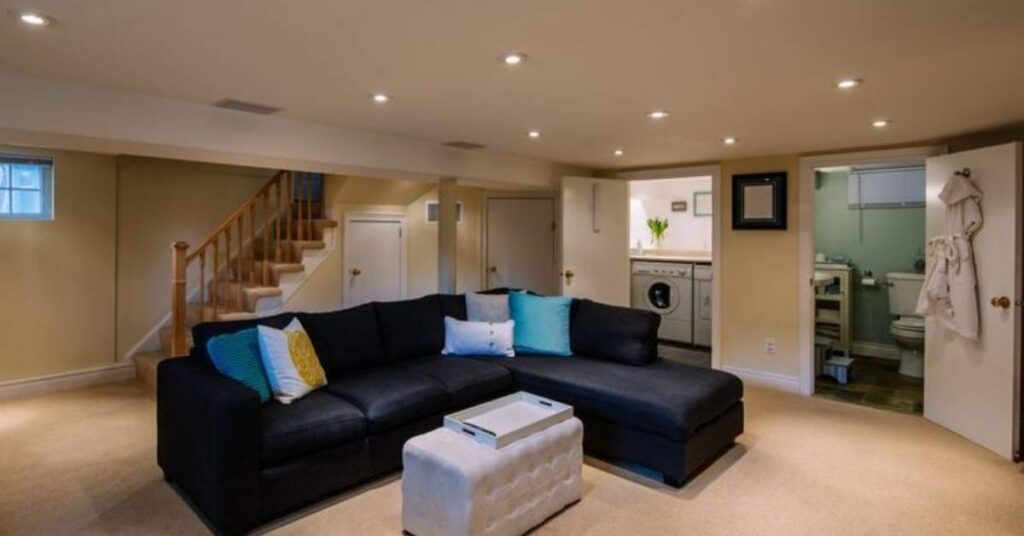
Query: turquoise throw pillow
(542,323)
(237,356)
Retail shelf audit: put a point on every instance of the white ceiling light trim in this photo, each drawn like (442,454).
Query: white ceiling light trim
(657,115)
(514,59)
(32,18)
(849,83)
(533,134)
(618,152)
(881,123)
(380,97)
(729,140)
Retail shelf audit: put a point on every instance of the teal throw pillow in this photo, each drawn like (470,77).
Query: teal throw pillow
(541,323)
(237,356)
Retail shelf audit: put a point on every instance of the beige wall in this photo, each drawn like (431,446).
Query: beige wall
(157,206)
(58,276)
(422,244)
(759,278)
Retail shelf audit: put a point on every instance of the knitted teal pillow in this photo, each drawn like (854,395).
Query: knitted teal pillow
(237,356)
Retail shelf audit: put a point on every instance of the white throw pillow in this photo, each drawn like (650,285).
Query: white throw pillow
(293,369)
(478,338)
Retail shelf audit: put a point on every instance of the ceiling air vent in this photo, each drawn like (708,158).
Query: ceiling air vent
(467,145)
(248,107)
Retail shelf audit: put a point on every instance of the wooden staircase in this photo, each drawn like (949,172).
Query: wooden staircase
(240,270)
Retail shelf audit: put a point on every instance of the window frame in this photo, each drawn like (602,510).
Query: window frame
(46,187)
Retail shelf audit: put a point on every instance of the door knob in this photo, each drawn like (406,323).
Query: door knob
(1001,302)
(494,269)
(356,271)
(568,274)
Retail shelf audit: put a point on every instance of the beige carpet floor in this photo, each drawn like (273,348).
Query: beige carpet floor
(83,462)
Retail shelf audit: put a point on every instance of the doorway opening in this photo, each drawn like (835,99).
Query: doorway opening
(869,263)
(673,228)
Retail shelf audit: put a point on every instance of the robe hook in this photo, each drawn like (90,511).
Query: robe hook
(965,173)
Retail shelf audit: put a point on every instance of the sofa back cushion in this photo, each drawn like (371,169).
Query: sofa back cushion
(202,333)
(411,328)
(611,333)
(454,305)
(345,340)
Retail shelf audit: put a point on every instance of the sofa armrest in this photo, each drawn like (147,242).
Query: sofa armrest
(208,441)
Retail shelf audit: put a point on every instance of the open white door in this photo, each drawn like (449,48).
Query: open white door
(595,239)
(972,387)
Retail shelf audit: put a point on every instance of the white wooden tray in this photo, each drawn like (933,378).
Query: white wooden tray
(507,419)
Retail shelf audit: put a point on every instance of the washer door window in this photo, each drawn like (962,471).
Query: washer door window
(662,296)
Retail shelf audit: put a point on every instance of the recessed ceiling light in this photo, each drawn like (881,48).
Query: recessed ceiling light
(657,114)
(513,59)
(32,18)
(380,98)
(533,134)
(730,141)
(880,123)
(848,83)
(618,152)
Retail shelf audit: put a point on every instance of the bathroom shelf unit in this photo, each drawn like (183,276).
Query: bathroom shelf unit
(832,306)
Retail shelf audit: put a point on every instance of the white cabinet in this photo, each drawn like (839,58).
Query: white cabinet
(886,187)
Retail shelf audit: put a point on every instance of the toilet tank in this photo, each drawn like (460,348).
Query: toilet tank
(903,291)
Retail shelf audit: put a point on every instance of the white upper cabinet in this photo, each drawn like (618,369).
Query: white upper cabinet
(891,187)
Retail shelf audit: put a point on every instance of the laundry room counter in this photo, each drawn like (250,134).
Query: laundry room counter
(698,257)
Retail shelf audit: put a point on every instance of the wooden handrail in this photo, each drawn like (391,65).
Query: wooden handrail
(240,236)
(236,214)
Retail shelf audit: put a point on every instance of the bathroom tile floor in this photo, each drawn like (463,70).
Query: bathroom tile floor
(875,383)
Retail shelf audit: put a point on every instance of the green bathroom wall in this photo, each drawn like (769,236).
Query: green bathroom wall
(878,239)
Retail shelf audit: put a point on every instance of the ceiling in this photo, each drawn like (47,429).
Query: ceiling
(763,71)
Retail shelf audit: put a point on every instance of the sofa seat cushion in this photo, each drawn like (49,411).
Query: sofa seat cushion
(316,421)
(665,398)
(390,396)
(467,381)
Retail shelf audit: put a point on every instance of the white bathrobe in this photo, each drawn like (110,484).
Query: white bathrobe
(950,291)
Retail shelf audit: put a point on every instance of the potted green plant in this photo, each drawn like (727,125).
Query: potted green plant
(658,227)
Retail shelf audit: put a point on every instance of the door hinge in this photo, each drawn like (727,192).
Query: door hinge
(554,226)
(399,233)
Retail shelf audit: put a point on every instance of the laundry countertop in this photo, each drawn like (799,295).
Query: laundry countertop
(702,257)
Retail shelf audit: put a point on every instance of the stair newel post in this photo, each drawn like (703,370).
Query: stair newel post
(179,263)
(202,285)
(238,265)
(266,237)
(216,273)
(288,221)
(228,295)
(252,243)
(277,221)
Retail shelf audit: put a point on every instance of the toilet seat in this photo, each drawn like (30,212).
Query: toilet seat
(908,326)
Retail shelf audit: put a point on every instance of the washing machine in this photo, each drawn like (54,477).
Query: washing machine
(666,288)
(702,305)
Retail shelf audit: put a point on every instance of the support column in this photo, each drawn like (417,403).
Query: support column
(447,232)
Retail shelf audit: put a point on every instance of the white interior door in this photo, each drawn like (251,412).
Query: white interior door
(374,267)
(972,387)
(521,244)
(595,239)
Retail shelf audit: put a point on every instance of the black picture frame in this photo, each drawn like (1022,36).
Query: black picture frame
(759,201)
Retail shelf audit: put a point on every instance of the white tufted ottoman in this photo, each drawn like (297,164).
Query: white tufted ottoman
(454,486)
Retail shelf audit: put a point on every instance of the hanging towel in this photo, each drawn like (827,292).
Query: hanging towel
(950,291)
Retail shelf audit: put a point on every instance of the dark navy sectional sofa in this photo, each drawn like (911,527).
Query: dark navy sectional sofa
(243,463)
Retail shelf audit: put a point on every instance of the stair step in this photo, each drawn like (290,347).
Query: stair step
(318,226)
(146,364)
(277,269)
(227,295)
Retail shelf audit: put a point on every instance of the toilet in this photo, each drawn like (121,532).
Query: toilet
(908,328)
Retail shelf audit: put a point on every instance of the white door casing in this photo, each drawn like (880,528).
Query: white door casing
(374,262)
(972,387)
(520,237)
(595,239)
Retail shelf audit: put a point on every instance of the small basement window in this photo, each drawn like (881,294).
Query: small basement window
(26,188)
(433,207)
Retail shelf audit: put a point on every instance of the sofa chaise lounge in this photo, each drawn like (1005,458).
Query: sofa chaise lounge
(243,463)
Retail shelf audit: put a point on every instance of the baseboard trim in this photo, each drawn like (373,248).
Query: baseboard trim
(66,380)
(880,350)
(771,380)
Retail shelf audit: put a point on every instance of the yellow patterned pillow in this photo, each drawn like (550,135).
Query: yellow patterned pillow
(293,369)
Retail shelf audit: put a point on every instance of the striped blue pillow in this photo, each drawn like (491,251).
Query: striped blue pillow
(237,356)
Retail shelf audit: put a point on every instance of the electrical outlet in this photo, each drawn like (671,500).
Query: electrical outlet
(769,345)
